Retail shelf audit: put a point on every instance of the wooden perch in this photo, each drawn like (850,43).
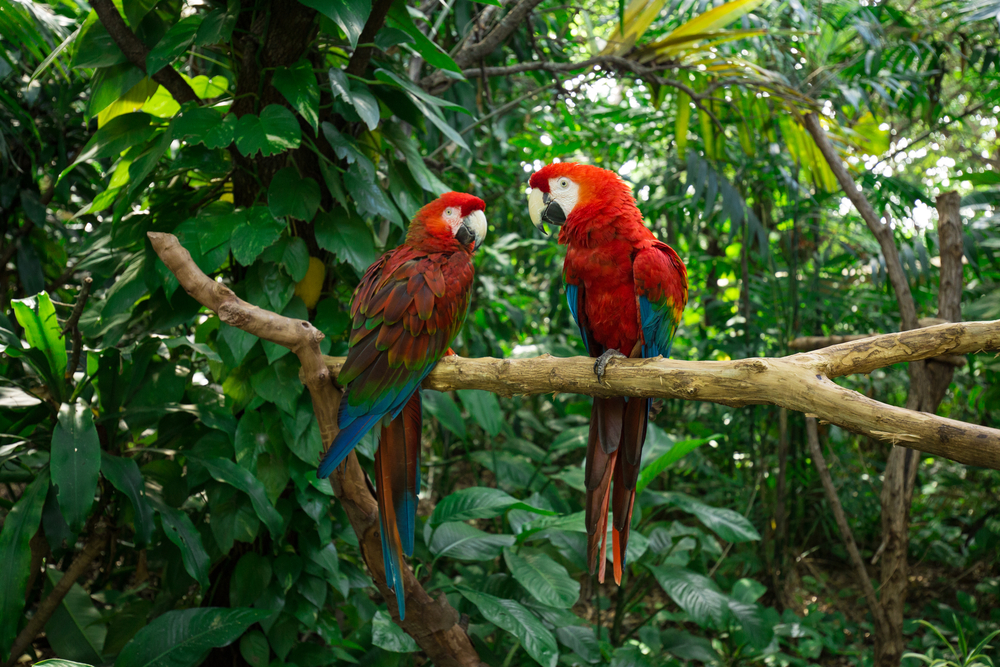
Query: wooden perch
(809,343)
(801,382)
(433,623)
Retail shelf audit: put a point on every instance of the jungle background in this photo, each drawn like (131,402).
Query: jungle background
(157,468)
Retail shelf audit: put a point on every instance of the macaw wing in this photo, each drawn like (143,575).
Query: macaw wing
(576,297)
(406,313)
(661,293)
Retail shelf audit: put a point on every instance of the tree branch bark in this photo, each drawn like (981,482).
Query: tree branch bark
(801,382)
(136,51)
(433,623)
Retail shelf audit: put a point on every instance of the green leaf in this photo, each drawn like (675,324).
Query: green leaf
(350,15)
(399,18)
(94,46)
(517,620)
(250,577)
(255,235)
(76,629)
(293,195)
(368,196)
(727,524)
(255,649)
(110,83)
(76,462)
(19,526)
(686,646)
(424,177)
(484,408)
(41,329)
(750,617)
(676,452)
(443,408)
(477,503)
(173,44)
(747,591)
(205,125)
(545,580)
(571,522)
(347,237)
(218,25)
(124,475)
(59,662)
(179,530)
(581,640)
(357,95)
(182,638)
(389,636)
(298,84)
(273,132)
(464,542)
(694,593)
(227,472)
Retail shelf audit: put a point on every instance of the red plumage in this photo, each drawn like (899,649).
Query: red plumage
(627,291)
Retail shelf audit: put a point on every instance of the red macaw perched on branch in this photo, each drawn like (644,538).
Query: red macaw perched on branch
(627,291)
(407,309)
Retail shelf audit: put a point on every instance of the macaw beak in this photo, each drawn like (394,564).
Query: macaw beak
(543,210)
(473,230)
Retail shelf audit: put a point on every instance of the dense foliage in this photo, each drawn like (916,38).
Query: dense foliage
(183,451)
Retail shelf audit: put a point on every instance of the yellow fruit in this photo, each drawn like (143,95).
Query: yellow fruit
(309,288)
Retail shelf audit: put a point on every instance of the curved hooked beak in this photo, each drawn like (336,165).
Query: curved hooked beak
(473,230)
(543,209)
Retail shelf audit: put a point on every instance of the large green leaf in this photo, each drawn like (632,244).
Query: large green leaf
(173,44)
(19,526)
(545,580)
(694,593)
(298,84)
(477,502)
(347,237)
(357,95)
(390,637)
(461,541)
(218,25)
(249,579)
(76,462)
(676,452)
(484,408)
(443,408)
(293,195)
(41,329)
(727,524)
(517,620)
(179,530)
(258,231)
(399,18)
(350,15)
(124,475)
(205,125)
(273,132)
(59,662)
(182,638)
(76,629)
(224,470)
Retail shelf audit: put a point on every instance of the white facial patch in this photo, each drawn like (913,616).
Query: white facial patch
(453,216)
(564,192)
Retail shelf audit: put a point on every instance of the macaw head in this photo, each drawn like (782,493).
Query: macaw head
(454,216)
(562,190)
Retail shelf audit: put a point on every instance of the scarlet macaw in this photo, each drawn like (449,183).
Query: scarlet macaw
(626,291)
(407,309)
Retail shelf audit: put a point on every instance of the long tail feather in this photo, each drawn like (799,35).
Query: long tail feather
(602,445)
(345,442)
(412,418)
(390,472)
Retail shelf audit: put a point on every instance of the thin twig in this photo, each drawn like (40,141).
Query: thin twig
(71,325)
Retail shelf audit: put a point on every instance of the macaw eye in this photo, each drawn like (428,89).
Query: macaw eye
(450,212)
(563,183)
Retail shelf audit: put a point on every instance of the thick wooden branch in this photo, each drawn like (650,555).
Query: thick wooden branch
(136,51)
(433,623)
(801,382)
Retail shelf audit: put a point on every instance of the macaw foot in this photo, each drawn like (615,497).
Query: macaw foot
(602,362)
